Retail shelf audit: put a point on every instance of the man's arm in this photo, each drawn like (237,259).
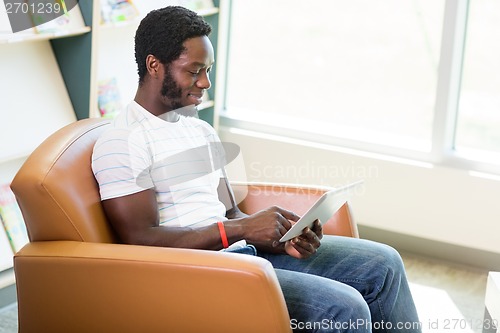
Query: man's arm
(135,219)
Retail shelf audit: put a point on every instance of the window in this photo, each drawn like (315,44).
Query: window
(368,74)
(478,126)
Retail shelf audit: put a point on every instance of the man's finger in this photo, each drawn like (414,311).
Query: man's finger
(288,214)
(309,236)
(304,247)
(317,228)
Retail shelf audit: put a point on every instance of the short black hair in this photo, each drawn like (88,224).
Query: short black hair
(163,32)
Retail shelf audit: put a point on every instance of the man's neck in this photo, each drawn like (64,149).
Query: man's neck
(149,101)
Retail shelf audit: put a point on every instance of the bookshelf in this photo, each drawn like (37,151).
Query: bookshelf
(7,170)
(106,52)
(35,103)
(32,37)
(116,38)
(51,79)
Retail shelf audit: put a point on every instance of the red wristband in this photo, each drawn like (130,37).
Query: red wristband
(223,235)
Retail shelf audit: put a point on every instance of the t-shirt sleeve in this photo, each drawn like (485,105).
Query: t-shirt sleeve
(121,163)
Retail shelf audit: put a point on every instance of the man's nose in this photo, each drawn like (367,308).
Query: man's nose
(204,81)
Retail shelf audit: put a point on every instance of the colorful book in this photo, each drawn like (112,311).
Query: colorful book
(63,16)
(113,11)
(108,98)
(12,219)
(6,253)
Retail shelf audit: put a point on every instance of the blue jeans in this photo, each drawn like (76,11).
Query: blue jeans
(349,285)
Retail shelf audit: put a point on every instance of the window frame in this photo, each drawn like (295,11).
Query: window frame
(446,106)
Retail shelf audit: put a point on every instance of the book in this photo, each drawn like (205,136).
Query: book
(38,20)
(114,11)
(6,253)
(62,20)
(108,98)
(12,219)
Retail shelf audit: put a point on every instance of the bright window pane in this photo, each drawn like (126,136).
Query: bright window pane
(358,69)
(478,127)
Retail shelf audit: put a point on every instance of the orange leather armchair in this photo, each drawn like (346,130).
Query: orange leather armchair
(73,276)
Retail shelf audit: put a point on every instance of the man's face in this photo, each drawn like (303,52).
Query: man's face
(171,90)
(186,79)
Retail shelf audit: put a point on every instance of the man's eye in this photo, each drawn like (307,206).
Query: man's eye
(194,73)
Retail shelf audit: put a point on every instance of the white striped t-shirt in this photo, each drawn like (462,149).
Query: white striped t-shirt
(141,151)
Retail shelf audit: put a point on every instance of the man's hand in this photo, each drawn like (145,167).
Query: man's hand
(305,245)
(266,227)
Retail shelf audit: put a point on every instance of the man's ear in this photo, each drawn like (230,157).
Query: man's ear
(152,65)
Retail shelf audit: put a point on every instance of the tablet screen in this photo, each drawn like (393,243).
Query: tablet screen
(323,209)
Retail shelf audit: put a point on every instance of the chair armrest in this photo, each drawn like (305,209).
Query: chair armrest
(253,197)
(66,286)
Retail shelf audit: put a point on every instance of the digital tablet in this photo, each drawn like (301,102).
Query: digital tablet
(323,209)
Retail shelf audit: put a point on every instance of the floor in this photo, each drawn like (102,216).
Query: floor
(449,297)
(8,319)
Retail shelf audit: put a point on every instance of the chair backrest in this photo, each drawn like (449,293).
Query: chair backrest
(56,189)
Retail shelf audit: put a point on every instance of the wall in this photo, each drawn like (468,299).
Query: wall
(399,196)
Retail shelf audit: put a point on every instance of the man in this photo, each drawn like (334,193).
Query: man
(152,165)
